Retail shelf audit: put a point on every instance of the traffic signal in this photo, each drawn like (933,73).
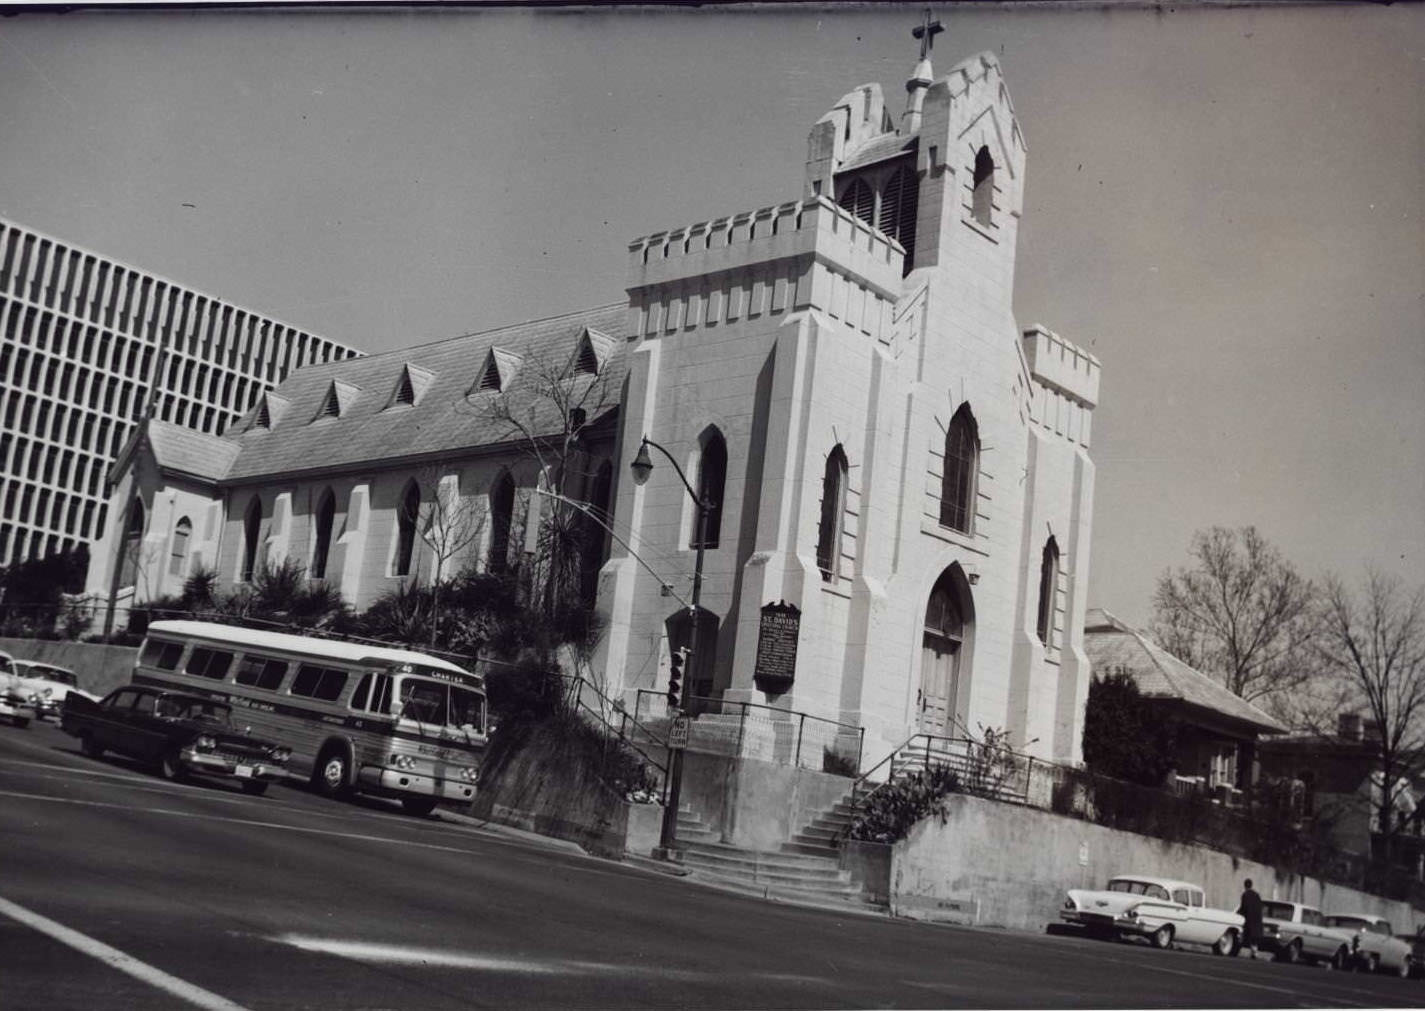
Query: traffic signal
(675,675)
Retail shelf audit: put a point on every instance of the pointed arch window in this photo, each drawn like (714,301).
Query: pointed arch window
(859,199)
(178,556)
(133,543)
(251,530)
(325,517)
(1048,590)
(833,511)
(712,477)
(502,514)
(406,528)
(899,205)
(961,465)
(984,186)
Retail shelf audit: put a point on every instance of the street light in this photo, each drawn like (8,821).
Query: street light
(642,467)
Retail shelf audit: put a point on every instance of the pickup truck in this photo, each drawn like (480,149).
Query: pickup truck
(1296,933)
(178,733)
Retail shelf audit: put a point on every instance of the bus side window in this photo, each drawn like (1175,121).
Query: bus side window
(261,672)
(362,693)
(160,654)
(209,663)
(381,696)
(324,683)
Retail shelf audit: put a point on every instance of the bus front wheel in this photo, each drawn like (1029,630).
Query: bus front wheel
(330,776)
(418,806)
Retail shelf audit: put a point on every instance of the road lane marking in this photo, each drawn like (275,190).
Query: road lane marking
(361,837)
(116,959)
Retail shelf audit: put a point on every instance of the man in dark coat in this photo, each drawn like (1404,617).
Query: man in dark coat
(1250,910)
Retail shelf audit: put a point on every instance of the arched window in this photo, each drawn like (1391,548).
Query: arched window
(406,528)
(502,512)
(833,509)
(984,193)
(712,476)
(251,529)
(133,544)
(325,516)
(1048,588)
(859,200)
(962,463)
(595,539)
(179,555)
(899,204)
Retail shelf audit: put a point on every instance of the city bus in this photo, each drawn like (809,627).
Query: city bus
(359,718)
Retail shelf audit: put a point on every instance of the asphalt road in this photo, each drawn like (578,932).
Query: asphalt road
(120,890)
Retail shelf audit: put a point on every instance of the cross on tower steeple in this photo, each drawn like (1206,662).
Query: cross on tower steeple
(926,32)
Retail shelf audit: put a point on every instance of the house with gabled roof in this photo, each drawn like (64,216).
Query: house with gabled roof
(1218,731)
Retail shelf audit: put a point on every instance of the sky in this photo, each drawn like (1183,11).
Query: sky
(1222,204)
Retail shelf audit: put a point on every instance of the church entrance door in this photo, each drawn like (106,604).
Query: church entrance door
(940,655)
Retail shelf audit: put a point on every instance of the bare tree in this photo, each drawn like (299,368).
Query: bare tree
(553,410)
(447,523)
(1375,641)
(1241,612)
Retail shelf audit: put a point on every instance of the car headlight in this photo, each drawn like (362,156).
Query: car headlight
(1132,914)
(280,754)
(469,773)
(1070,904)
(203,742)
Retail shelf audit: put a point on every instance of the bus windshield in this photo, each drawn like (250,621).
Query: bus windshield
(442,704)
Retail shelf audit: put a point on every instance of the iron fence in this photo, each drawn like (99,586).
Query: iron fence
(756,731)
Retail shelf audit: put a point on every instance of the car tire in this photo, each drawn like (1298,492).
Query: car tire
(1404,970)
(1340,961)
(331,773)
(90,747)
(1162,937)
(1226,944)
(170,766)
(254,787)
(1291,954)
(1370,963)
(418,806)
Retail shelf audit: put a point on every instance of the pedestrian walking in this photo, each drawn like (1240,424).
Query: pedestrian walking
(1250,909)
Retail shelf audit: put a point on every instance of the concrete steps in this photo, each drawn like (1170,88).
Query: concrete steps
(788,874)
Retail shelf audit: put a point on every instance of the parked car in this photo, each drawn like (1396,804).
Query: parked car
(1377,948)
(15,706)
(1162,910)
(179,733)
(46,685)
(1294,933)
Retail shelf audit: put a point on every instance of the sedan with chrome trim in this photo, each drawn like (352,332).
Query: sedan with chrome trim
(1162,910)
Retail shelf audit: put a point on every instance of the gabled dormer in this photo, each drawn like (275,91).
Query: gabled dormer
(591,352)
(337,400)
(497,372)
(411,386)
(268,411)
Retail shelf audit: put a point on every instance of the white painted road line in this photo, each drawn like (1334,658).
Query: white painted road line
(116,959)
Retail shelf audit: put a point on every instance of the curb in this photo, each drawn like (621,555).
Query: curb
(496,828)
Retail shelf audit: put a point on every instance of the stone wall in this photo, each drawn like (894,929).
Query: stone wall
(100,667)
(999,864)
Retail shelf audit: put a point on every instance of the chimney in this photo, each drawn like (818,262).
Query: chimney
(1348,726)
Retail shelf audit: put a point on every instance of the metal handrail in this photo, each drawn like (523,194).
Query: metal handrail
(620,731)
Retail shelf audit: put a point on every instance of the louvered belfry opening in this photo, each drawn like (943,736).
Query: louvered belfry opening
(859,199)
(899,205)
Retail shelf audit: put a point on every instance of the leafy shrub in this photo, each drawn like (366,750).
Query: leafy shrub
(893,810)
(838,764)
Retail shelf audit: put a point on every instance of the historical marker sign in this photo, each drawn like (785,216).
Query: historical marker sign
(776,666)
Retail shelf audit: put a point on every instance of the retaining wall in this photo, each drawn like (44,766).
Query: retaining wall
(100,667)
(1003,865)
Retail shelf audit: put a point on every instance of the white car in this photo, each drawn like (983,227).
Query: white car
(44,686)
(1163,910)
(1299,933)
(15,706)
(1377,948)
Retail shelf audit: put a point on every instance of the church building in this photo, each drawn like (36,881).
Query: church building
(875,485)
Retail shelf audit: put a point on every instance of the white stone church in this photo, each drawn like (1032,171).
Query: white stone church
(886,457)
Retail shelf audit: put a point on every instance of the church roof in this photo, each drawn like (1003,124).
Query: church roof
(347,413)
(185,451)
(1112,645)
(878,149)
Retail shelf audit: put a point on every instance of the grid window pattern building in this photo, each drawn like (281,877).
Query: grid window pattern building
(88,346)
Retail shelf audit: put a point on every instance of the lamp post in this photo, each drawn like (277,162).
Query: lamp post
(642,466)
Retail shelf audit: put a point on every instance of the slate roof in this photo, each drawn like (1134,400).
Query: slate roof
(1110,645)
(448,417)
(186,451)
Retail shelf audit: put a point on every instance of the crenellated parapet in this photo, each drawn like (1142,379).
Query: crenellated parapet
(806,254)
(1065,389)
